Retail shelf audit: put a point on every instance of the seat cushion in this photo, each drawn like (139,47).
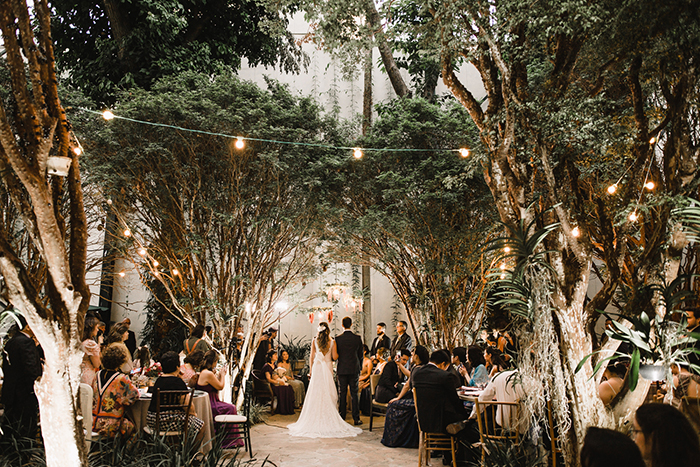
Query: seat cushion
(230,419)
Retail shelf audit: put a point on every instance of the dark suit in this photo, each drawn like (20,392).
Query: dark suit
(22,366)
(401,343)
(438,404)
(380,342)
(350,354)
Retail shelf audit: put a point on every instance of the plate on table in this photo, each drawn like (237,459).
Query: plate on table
(144,394)
(198,393)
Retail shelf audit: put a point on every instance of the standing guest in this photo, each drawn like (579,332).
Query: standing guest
(297,386)
(389,383)
(349,347)
(273,334)
(173,420)
(113,391)
(609,448)
(400,427)
(261,352)
(283,392)
(693,325)
(21,367)
(665,436)
(381,341)
(196,340)
(91,351)
(364,384)
(117,335)
(479,376)
(402,341)
(212,383)
(189,370)
(130,340)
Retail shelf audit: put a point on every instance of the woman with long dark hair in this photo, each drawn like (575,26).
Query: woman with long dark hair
(91,351)
(665,436)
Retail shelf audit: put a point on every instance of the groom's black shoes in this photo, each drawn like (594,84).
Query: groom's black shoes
(358,422)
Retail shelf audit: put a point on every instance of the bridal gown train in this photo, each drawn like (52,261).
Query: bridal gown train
(319,417)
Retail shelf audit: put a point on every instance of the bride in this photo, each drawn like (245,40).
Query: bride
(319,417)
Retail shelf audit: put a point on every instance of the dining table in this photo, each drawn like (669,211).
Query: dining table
(469,393)
(139,410)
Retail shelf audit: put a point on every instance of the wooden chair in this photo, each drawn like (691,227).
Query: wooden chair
(553,437)
(489,429)
(262,390)
(378,408)
(171,401)
(429,442)
(240,423)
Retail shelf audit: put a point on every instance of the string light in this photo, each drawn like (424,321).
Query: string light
(507,249)
(357,153)
(652,140)
(612,189)
(633,216)
(122,273)
(175,272)
(240,144)
(142,252)
(77,151)
(503,266)
(155,263)
(109,201)
(649,185)
(107,115)
(464,152)
(576,232)
(127,233)
(503,276)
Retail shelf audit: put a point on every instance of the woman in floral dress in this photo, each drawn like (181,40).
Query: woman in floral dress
(113,391)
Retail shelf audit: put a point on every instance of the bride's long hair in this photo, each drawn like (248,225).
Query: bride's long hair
(324,337)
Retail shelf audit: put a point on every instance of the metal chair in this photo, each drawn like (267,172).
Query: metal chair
(241,423)
(171,401)
(429,442)
(490,430)
(378,408)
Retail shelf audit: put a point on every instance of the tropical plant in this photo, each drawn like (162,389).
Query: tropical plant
(298,347)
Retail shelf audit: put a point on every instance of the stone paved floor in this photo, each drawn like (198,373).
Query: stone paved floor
(272,440)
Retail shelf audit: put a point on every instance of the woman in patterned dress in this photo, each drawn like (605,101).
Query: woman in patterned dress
(113,391)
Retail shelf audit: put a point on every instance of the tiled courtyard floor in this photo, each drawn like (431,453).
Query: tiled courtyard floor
(272,440)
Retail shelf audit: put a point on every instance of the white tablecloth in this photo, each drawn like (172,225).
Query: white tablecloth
(139,410)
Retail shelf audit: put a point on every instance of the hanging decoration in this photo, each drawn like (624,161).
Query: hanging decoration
(334,291)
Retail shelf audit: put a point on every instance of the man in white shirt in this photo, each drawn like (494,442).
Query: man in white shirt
(504,387)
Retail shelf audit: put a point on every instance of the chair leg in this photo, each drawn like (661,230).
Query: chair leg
(371,418)
(421,449)
(454,451)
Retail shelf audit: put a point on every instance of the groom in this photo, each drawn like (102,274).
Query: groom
(348,369)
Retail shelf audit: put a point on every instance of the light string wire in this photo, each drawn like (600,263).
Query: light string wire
(262,140)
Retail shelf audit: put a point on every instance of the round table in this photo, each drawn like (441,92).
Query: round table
(139,409)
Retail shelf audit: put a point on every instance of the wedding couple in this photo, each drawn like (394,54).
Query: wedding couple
(320,418)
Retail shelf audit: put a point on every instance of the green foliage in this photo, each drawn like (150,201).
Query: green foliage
(111,45)
(299,347)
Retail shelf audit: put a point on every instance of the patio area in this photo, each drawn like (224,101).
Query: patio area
(272,440)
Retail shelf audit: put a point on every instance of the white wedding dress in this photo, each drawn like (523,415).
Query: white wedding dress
(319,418)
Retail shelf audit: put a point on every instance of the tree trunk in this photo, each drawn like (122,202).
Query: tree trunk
(119,23)
(392,70)
(367,97)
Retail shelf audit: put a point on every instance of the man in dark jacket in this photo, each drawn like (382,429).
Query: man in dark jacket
(348,369)
(21,366)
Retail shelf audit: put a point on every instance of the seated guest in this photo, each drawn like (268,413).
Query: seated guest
(297,386)
(196,341)
(365,382)
(212,383)
(283,391)
(390,382)
(665,436)
(91,351)
(400,427)
(504,387)
(113,391)
(379,361)
(117,335)
(439,408)
(143,359)
(458,369)
(173,420)
(495,362)
(612,382)
(189,370)
(604,448)
(686,383)
(479,376)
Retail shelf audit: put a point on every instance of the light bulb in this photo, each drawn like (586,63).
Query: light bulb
(649,185)
(107,115)
(357,153)
(575,232)
(175,272)
(503,276)
(127,233)
(77,151)
(122,274)
(503,266)
(109,201)
(652,140)
(464,152)
(155,263)
(633,216)
(612,189)
(507,249)
(240,144)
(142,252)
